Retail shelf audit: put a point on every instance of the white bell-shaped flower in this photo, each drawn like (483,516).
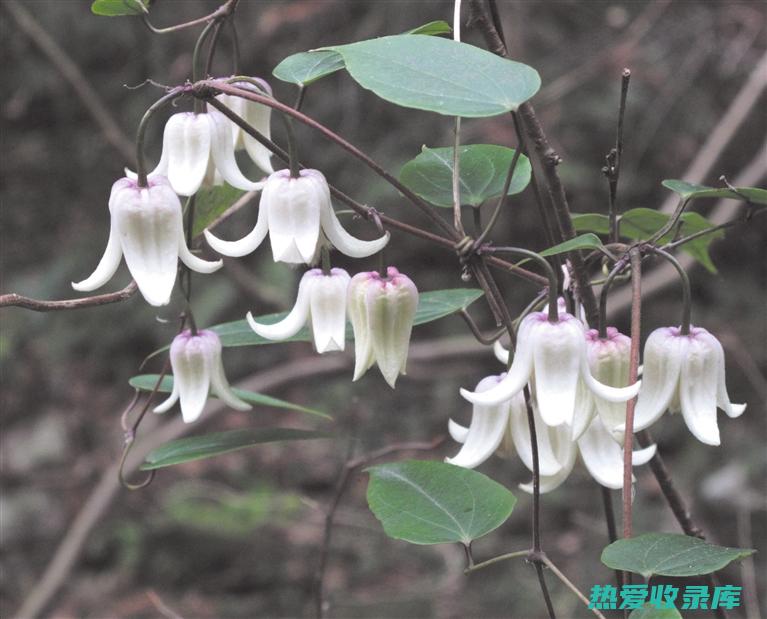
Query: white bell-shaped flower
(293,211)
(146,226)
(321,301)
(684,373)
(197,369)
(257,116)
(197,149)
(555,353)
(382,311)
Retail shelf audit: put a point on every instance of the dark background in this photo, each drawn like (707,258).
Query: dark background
(238,536)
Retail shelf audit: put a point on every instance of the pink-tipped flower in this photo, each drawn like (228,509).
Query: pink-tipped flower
(146,226)
(293,211)
(321,301)
(382,310)
(197,149)
(684,373)
(555,355)
(197,370)
(256,115)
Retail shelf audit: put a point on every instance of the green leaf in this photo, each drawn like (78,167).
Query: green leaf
(115,8)
(648,611)
(433,28)
(432,306)
(217,443)
(669,554)
(427,502)
(583,241)
(591,222)
(211,203)
(692,191)
(439,75)
(642,223)
(307,67)
(483,170)
(146,382)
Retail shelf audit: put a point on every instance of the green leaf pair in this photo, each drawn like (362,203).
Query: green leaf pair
(118,8)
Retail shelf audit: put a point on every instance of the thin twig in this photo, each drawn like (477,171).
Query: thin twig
(612,531)
(566,581)
(613,168)
(223,11)
(494,560)
(36,305)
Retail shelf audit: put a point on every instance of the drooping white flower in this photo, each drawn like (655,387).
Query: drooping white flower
(507,423)
(293,211)
(555,354)
(491,425)
(197,149)
(146,226)
(257,116)
(321,300)
(684,373)
(382,310)
(197,369)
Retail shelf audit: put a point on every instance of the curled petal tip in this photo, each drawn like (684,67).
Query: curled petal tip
(735,410)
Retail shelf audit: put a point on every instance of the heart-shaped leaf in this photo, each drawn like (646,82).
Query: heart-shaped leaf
(439,75)
(483,169)
(147,382)
(427,502)
(669,554)
(209,445)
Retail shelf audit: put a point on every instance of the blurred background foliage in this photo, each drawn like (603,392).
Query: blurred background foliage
(238,536)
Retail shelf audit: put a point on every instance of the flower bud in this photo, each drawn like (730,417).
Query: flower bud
(382,310)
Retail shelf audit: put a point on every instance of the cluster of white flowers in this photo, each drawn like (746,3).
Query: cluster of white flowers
(579,384)
(297,214)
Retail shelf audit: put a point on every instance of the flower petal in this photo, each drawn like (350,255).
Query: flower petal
(456,431)
(292,323)
(149,223)
(327,310)
(222,151)
(293,208)
(258,117)
(168,403)
(107,266)
(187,142)
(602,456)
(488,425)
(221,389)
(547,436)
(567,453)
(343,241)
(501,352)
(643,456)
(364,357)
(558,353)
(663,354)
(697,390)
(192,261)
(246,244)
(517,376)
(585,409)
(722,398)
